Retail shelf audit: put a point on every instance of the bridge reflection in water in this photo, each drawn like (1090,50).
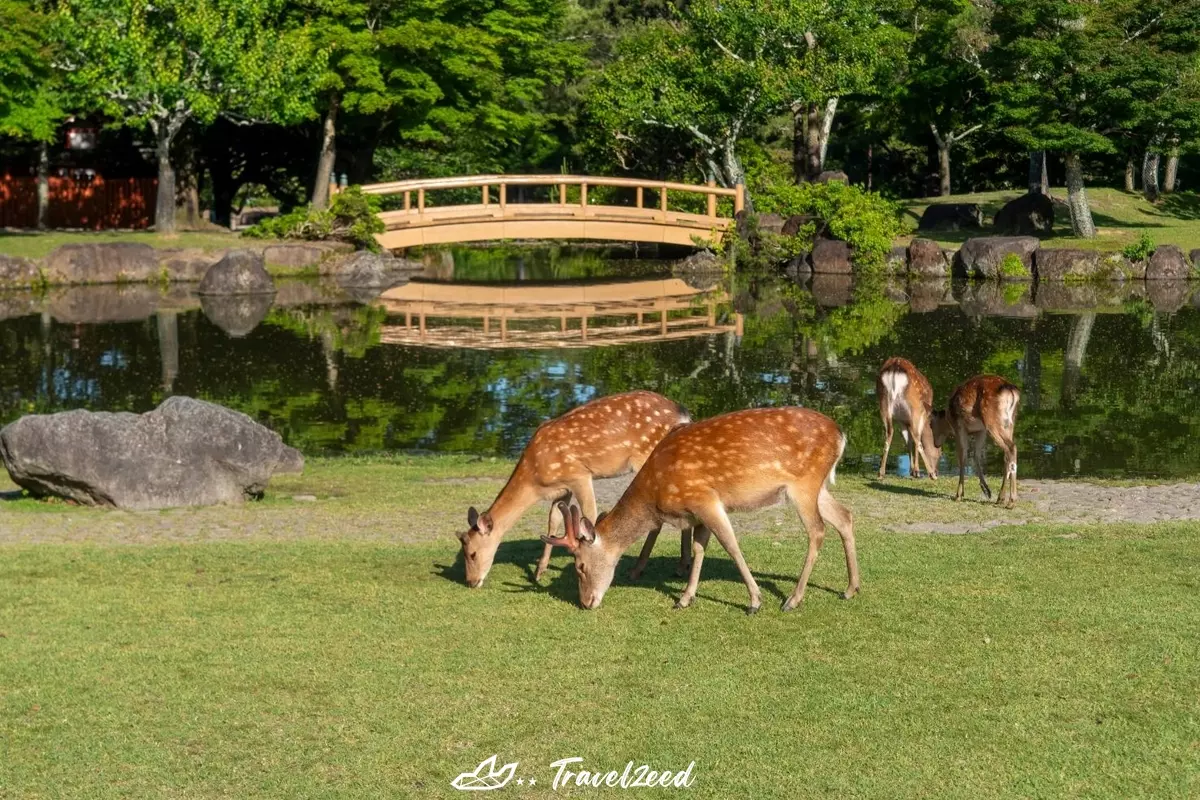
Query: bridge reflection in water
(564,315)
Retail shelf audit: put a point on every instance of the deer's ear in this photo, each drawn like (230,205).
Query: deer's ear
(484,524)
(472,516)
(586,532)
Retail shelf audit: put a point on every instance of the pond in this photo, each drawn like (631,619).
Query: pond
(475,352)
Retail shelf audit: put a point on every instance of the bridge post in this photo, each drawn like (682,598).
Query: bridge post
(583,196)
(639,197)
(485,195)
(562,194)
(420,201)
(503,196)
(662,201)
(712,200)
(407,201)
(739,199)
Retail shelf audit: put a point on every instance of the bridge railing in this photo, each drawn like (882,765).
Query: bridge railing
(421,187)
(496,216)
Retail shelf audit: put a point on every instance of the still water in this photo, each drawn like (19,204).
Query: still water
(475,352)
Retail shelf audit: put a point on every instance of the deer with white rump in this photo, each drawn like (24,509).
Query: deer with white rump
(740,461)
(983,406)
(906,396)
(604,438)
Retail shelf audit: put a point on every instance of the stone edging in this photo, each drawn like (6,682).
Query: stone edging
(128,262)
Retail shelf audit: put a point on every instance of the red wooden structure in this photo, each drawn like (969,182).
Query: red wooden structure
(92,204)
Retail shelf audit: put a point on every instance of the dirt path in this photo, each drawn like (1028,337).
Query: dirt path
(430,510)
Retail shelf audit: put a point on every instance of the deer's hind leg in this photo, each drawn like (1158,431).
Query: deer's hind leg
(885,413)
(842,521)
(1004,438)
(805,499)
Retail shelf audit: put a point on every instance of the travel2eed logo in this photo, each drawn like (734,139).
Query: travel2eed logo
(486,777)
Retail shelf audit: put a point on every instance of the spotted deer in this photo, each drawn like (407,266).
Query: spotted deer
(604,438)
(906,397)
(983,406)
(740,461)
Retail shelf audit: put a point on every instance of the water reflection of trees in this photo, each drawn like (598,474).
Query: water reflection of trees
(1109,391)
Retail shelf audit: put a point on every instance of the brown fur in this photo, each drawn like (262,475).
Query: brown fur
(983,406)
(739,461)
(913,407)
(603,438)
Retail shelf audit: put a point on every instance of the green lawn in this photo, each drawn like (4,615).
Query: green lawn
(1120,217)
(40,245)
(347,660)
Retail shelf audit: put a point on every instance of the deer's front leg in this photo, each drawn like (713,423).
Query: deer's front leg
(644,556)
(700,536)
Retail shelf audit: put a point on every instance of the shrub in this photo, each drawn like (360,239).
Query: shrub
(1011,266)
(1141,250)
(352,217)
(864,220)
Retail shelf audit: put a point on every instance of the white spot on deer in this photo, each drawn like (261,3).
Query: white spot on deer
(672,488)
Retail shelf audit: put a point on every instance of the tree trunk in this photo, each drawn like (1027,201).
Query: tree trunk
(1039,176)
(1130,172)
(812,142)
(328,159)
(1171,174)
(799,148)
(1150,175)
(43,185)
(826,129)
(733,171)
(1081,212)
(164,209)
(189,190)
(224,189)
(870,164)
(943,167)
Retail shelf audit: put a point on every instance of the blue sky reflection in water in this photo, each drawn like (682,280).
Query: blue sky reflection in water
(1109,378)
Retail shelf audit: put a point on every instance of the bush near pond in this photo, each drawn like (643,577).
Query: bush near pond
(864,220)
(352,217)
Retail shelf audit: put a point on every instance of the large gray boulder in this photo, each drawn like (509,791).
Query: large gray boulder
(982,257)
(367,270)
(1168,263)
(951,217)
(114,262)
(831,257)
(926,259)
(1028,215)
(238,272)
(701,270)
(184,453)
(18,271)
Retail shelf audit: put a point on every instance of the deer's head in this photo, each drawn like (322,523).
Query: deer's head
(939,423)
(479,545)
(595,563)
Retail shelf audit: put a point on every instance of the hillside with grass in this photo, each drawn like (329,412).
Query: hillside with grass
(1120,218)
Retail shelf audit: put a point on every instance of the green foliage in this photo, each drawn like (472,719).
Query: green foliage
(30,90)
(865,220)
(1141,250)
(1011,266)
(351,217)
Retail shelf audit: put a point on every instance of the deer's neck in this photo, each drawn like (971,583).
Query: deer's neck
(630,520)
(514,500)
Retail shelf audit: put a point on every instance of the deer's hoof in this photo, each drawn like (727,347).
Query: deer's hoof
(680,605)
(788,606)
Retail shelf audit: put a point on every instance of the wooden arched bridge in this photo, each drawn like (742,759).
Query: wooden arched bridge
(492,317)
(507,209)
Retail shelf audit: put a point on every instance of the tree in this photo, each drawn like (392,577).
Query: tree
(163,64)
(31,96)
(1056,88)
(945,90)
(726,69)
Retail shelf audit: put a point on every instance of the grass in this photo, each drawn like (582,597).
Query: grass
(1120,218)
(348,660)
(40,245)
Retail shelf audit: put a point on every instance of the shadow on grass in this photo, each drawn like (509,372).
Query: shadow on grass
(559,581)
(913,489)
(1181,206)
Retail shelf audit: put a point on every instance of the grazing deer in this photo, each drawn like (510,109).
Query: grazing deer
(982,406)
(604,438)
(906,396)
(744,460)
